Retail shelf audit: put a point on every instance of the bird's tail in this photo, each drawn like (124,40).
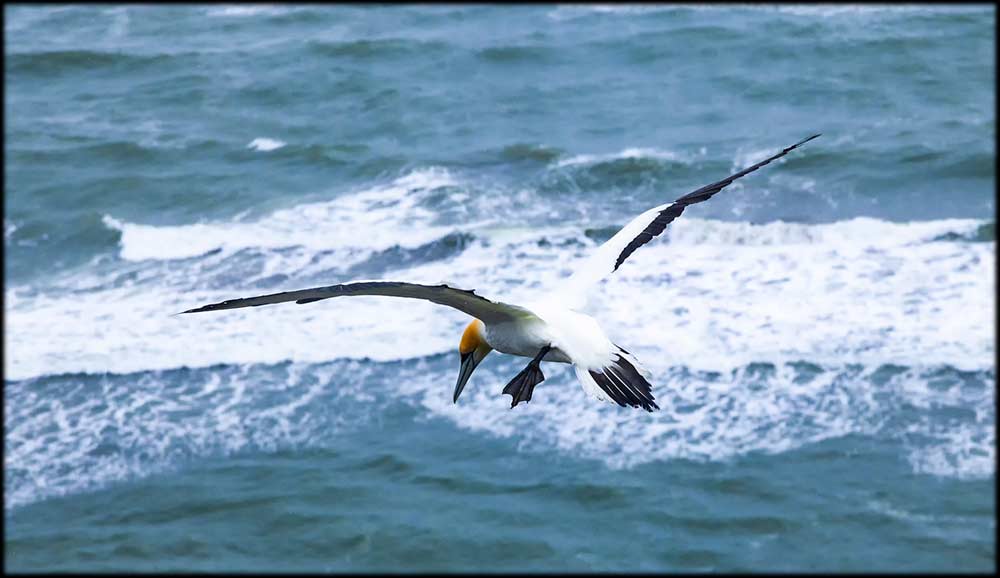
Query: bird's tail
(623,381)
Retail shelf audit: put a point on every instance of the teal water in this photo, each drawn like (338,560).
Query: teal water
(821,334)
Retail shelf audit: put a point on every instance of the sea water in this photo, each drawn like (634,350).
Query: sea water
(821,333)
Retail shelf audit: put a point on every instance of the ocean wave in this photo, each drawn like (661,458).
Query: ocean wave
(823,11)
(247,11)
(568,12)
(628,154)
(858,232)
(832,11)
(971,165)
(318,226)
(626,172)
(63,61)
(709,294)
(75,433)
(530,152)
(515,53)
(984,233)
(264,144)
(375,48)
(756,408)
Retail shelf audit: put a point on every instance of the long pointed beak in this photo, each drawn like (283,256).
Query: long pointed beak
(469,364)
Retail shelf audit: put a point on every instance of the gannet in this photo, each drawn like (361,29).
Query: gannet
(548,329)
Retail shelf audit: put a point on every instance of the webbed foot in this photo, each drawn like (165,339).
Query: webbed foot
(521,387)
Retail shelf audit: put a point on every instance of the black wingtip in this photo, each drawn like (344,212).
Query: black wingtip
(800,143)
(212,307)
(819,134)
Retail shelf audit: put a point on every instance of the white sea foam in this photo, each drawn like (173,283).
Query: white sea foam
(701,308)
(863,290)
(628,153)
(246,11)
(835,10)
(965,452)
(826,11)
(392,209)
(722,295)
(66,437)
(717,416)
(569,12)
(264,144)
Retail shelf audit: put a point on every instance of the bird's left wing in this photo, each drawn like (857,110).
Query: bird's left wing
(609,256)
(461,299)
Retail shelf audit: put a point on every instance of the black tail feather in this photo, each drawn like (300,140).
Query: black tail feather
(625,385)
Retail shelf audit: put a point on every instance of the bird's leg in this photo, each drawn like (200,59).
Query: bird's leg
(524,383)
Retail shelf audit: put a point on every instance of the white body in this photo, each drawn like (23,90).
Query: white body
(574,337)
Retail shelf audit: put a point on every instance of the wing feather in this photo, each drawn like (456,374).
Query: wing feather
(462,299)
(642,229)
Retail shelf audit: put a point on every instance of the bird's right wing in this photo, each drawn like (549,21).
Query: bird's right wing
(461,299)
(640,230)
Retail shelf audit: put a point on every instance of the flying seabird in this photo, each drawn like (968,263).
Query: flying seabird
(548,329)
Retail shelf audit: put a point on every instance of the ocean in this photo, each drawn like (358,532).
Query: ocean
(821,333)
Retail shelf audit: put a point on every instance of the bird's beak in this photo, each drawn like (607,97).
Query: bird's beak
(469,363)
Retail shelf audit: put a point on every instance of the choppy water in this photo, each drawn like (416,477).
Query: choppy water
(821,334)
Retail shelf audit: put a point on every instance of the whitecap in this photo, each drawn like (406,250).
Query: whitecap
(265,144)
(760,338)
(628,153)
(336,225)
(245,11)
(709,295)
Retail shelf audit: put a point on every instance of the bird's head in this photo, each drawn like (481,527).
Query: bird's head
(472,349)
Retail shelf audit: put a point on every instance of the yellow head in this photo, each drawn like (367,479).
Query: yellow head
(472,349)
(472,337)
